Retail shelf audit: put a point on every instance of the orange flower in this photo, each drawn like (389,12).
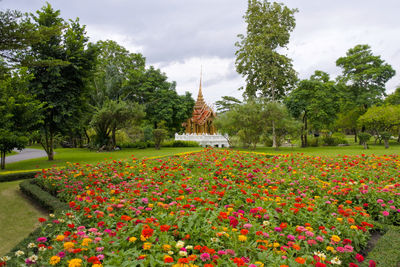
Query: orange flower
(300,260)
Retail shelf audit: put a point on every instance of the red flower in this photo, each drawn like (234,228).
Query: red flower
(372,263)
(353,265)
(164,228)
(42,220)
(71,225)
(320,264)
(359,258)
(147,232)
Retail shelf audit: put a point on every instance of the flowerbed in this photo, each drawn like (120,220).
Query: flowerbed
(217,208)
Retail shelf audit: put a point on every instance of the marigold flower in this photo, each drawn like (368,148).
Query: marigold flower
(147,246)
(54,260)
(335,238)
(132,239)
(242,238)
(68,245)
(75,263)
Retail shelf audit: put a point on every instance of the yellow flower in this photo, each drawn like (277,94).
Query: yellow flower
(86,242)
(335,238)
(75,263)
(353,227)
(276,244)
(340,219)
(242,238)
(68,245)
(166,247)
(97,265)
(60,238)
(259,264)
(146,245)
(132,239)
(54,260)
(331,249)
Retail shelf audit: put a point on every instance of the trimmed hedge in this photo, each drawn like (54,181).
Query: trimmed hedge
(17,176)
(42,197)
(46,201)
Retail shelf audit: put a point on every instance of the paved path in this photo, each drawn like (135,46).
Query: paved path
(27,153)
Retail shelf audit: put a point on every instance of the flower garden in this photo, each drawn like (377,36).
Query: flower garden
(216,208)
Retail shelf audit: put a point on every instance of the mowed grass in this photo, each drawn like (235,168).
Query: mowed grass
(18,217)
(353,149)
(81,155)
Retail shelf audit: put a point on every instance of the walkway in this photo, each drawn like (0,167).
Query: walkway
(27,153)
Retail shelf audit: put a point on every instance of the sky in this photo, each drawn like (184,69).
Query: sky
(180,36)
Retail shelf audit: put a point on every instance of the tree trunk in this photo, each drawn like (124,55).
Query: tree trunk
(87,136)
(306,130)
(355,136)
(365,145)
(386,143)
(114,144)
(3,160)
(50,154)
(274,144)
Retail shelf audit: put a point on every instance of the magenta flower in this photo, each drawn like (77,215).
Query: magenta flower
(205,257)
(42,239)
(385,213)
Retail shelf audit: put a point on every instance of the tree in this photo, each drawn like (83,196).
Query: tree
(316,102)
(276,115)
(363,78)
(267,72)
(19,112)
(226,103)
(112,116)
(226,126)
(393,98)
(159,135)
(381,119)
(61,70)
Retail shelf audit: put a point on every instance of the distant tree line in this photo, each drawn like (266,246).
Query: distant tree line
(58,88)
(278,107)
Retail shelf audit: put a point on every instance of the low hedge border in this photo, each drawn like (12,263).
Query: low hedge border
(44,200)
(17,176)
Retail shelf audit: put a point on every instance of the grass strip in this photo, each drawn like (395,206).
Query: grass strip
(386,251)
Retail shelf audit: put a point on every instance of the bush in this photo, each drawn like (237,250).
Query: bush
(179,143)
(313,142)
(364,138)
(42,197)
(138,144)
(17,176)
(334,139)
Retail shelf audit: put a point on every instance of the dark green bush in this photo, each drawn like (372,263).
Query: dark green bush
(17,176)
(312,142)
(179,143)
(41,197)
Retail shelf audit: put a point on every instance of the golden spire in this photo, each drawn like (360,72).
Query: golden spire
(200,100)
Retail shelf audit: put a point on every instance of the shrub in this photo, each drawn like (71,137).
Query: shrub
(17,176)
(334,139)
(364,138)
(313,142)
(179,143)
(159,136)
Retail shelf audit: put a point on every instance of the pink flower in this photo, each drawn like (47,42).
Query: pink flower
(222,252)
(385,213)
(42,239)
(247,225)
(348,248)
(340,249)
(379,201)
(320,238)
(205,257)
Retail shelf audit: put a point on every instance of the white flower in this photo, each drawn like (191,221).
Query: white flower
(336,260)
(189,247)
(5,258)
(31,245)
(33,258)
(180,244)
(170,252)
(52,215)
(183,253)
(321,255)
(19,253)
(214,239)
(266,223)
(42,249)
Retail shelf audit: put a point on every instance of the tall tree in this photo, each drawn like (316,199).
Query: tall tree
(268,73)
(363,78)
(226,103)
(62,67)
(315,101)
(19,112)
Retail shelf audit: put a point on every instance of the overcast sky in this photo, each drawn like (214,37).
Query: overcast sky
(178,36)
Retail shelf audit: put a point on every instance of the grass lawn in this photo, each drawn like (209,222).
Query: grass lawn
(64,155)
(18,216)
(394,148)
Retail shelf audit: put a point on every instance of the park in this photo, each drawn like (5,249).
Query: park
(106,161)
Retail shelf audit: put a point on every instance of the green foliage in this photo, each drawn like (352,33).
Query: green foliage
(393,98)
(61,69)
(16,176)
(364,138)
(267,72)
(179,143)
(114,115)
(42,197)
(19,112)
(226,103)
(378,119)
(363,78)
(159,135)
(315,101)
